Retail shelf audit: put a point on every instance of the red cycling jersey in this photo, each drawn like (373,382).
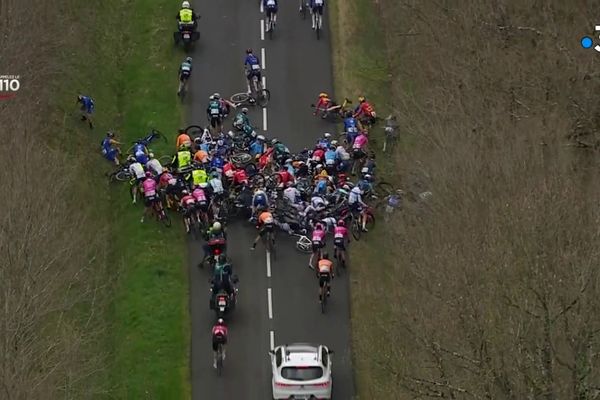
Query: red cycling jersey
(323,103)
(285,177)
(240,177)
(364,109)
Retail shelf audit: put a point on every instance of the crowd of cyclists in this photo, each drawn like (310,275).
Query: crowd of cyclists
(217,174)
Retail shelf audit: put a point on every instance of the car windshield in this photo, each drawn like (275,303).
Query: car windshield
(302,373)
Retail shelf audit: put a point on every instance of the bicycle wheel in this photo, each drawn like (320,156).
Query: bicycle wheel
(304,244)
(219,359)
(303,9)
(323,298)
(355,228)
(241,159)
(318,25)
(257,180)
(370,220)
(165,161)
(263,97)
(122,175)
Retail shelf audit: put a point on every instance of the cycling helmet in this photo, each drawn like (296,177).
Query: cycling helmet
(319,226)
(220,321)
(231,134)
(323,95)
(214,174)
(220,142)
(110,134)
(274,141)
(198,140)
(341,222)
(244,110)
(261,137)
(150,155)
(222,258)
(327,135)
(188,59)
(217,96)
(212,97)
(334,143)
(184,191)
(364,170)
(368,177)
(361,99)
(248,51)
(326,256)
(148,174)
(346,187)
(185,4)
(319,166)
(216,226)
(288,161)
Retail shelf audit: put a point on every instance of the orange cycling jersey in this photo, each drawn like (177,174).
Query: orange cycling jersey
(265,217)
(184,138)
(325,266)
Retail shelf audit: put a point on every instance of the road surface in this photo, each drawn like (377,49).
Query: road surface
(278,300)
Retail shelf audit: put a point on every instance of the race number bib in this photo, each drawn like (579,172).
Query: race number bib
(214,111)
(255,67)
(271,3)
(318,2)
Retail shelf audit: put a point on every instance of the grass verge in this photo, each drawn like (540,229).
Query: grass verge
(131,75)
(361,67)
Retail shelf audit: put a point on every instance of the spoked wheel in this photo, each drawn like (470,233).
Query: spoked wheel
(370,220)
(239,98)
(122,176)
(220,360)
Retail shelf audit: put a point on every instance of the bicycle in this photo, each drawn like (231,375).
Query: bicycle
(271,22)
(149,138)
(259,96)
(323,293)
(269,241)
(159,211)
(182,90)
(219,359)
(303,244)
(317,20)
(340,256)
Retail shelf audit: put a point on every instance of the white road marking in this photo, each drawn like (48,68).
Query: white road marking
(268,264)
(262,29)
(272,339)
(262,7)
(270,302)
(264,81)
(262,57)
(265,122)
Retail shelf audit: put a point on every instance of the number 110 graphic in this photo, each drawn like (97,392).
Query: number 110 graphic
(587,42)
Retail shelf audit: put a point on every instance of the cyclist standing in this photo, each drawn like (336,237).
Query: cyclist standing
(252,66)
(137,172)
(219,337)
(185,72)
(87,108)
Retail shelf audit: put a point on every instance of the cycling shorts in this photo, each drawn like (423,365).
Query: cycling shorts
(184,75)
(218,339)
(358,154)
(340,243)
(317,245)
(266,228)
(215,120)
(270,11)
(318,9)
(356,206)
(149,200)
(324,278)
(201,205)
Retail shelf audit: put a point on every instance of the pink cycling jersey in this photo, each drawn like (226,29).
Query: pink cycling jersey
(318,235)
(187,200)
(360,142)
(340,232)
(149,187)
(199,195)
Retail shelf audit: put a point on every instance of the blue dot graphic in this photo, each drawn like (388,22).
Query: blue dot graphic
(586,42)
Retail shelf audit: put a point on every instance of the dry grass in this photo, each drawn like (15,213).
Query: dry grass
(50,253)
(495,283)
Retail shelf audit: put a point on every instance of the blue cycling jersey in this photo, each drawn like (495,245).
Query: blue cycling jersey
(350,125)
(321,187)
(252,60)
(106,145)
(323,143)
(330,155)
(88,103)
(217,162)
(205,147)
(256,148)
(142,158)
(260,200)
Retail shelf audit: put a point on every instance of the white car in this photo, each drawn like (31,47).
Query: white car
(301,371)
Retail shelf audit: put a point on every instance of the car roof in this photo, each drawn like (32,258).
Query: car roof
(301,354)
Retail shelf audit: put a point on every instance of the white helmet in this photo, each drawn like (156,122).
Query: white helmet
(185,4)
(334,142)
(261,137)
(217,96)
(217,226)
(327,135)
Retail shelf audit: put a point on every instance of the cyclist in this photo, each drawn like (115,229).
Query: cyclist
(350,127)
(219,337)
(359,146)
(183,159)
(225,105)
(140,152)
(182,138)
(257,147)
(222,278)
(200,156)
(265,224)
(168,183)
(214,233)
(293,196)
(185,72)
(259,200)
(149,190)
(325,274)
(201,200)
(318,242)
(323,104)
(214,113)
(187,205)
(154,165)
(87,108)
(340,237)
(252,66)
(186,17)
(331,159)
(110,149)
(316,6)
(364,112)
(271,11)
(241,120)
(280,151)
(324,142)
(358,205)
(137,172)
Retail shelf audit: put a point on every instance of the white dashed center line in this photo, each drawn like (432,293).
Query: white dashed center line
(270,301)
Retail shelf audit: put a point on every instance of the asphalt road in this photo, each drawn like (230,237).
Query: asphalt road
(278,300)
